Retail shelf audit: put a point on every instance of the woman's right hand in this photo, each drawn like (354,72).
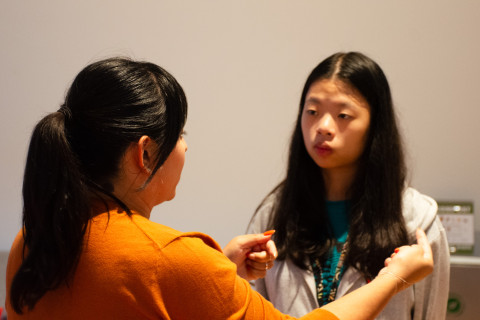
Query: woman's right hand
(410,264)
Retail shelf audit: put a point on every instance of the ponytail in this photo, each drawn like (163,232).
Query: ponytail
(55,213)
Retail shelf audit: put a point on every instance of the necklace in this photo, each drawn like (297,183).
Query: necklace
(329,273)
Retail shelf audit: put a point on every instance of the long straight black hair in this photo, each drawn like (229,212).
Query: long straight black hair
(376,221)
(73,156)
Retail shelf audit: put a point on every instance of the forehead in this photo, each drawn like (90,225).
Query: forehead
(335,91)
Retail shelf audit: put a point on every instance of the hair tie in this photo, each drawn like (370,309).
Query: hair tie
(67,113)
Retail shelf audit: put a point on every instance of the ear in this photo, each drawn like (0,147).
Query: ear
(145,148)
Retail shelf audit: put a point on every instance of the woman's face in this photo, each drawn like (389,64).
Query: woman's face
(335,121)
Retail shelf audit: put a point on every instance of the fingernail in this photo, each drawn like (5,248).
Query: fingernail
(269,232)
(396,250)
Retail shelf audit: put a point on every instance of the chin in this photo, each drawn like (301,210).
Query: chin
(171,197)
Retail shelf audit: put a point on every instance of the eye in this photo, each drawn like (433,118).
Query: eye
(311,112)
(344,116)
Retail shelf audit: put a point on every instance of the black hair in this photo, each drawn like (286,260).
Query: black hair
(376,221)
(74,155)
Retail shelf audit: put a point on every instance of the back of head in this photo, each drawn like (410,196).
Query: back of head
(111,104)
(74,156)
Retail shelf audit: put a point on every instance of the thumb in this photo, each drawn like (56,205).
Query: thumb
(424,244)
(251,240)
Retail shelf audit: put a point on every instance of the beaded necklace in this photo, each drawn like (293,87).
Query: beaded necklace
(329,271)
(327,279)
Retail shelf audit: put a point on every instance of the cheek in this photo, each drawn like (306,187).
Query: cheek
(306,130)
(365,131)
(306,138)
(178,166)
(358,140)
(181,165)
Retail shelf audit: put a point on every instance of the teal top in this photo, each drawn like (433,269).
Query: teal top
(338,215)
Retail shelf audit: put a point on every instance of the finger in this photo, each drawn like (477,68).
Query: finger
(387,261)
(250,241)
(259,266)
(258,248)
(262,256)
(399,250)
(424,244)
(272,249)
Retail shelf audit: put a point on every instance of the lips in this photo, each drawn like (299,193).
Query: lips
(323,149)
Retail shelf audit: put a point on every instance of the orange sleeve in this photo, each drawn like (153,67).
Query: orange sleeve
(199,282)
(15,259)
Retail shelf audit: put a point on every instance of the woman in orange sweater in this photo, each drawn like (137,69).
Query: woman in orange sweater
(87,249)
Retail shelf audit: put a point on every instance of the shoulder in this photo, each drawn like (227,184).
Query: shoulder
(164,236)
(419,210)
(119,236)
(193,253)
(151,249)
(413,199)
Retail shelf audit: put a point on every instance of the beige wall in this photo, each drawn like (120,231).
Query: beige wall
(242,64)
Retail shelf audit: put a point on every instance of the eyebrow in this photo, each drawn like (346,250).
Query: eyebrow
(313,99)
(316,100)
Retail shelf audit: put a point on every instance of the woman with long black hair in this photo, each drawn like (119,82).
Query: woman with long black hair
(344,203)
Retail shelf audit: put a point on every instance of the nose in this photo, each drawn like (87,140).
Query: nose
(185,144)
(326,125)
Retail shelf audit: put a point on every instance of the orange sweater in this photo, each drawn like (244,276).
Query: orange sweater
(133,268)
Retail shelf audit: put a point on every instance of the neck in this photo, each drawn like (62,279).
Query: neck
(129,191)
(136,203)
(338,182)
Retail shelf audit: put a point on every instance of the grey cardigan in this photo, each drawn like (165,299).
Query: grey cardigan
(292,290)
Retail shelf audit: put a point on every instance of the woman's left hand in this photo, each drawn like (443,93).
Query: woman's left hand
(253,254)
(410,264)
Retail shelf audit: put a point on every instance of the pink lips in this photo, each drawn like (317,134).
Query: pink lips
(323,149)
